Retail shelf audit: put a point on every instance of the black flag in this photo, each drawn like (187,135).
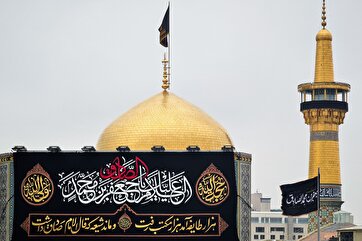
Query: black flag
(300,198)
(164,29)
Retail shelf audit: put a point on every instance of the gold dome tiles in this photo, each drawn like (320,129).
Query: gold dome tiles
(166,120)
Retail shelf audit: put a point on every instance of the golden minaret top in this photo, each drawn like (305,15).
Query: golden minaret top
(324,60)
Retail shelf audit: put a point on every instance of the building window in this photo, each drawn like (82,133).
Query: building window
(256,236)
(303,220)
(281,237)
(272,237)
(300,236)
(346,236)
(276,220)
(262,236)
(255,220)
(319,94)
(259,229)
(298,230)
(307,95)
(277,229)
(331,94)
(264,220)
(293,237)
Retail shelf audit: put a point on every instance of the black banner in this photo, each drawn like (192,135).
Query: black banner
(300,198)
(124,195)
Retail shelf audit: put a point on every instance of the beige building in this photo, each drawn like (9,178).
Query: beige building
(270,224)
(350,234)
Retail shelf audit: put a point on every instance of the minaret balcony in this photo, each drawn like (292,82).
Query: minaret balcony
(324,95)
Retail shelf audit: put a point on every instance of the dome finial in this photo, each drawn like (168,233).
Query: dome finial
(165,81)
(324,23)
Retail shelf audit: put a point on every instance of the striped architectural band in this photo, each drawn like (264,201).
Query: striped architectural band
(324,136)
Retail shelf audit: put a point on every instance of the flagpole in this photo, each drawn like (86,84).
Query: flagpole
(169,46)
(318,213)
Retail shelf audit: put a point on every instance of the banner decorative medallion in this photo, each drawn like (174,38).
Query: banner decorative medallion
(124,222)
(37,187)
(212,187)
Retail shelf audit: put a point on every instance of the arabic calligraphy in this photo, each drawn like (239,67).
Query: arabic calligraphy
(37,187)
(73,225)
(330,192)
(180,224)
(124,223)
(116,170)
(212,187)
(302,198)
(124,181)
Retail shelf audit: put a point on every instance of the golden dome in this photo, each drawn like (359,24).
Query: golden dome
(166,120)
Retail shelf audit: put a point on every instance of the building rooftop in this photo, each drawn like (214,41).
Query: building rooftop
(354,228)
(326,232)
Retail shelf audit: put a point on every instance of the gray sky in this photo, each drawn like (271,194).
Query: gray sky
(70,67)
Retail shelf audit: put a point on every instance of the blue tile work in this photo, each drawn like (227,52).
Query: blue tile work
(6,192)
(245,207)
(11,203)
(3,200)
(327,209)
(237,175)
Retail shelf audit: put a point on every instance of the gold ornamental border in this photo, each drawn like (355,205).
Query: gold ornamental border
(6,158)
(212,169)
(39,170)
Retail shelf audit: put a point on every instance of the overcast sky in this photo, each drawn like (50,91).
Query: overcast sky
(70,67)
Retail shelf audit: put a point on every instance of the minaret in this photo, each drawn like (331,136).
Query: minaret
(324,105)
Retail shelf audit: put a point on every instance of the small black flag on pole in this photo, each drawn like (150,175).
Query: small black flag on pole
(300,198)
(164,29)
